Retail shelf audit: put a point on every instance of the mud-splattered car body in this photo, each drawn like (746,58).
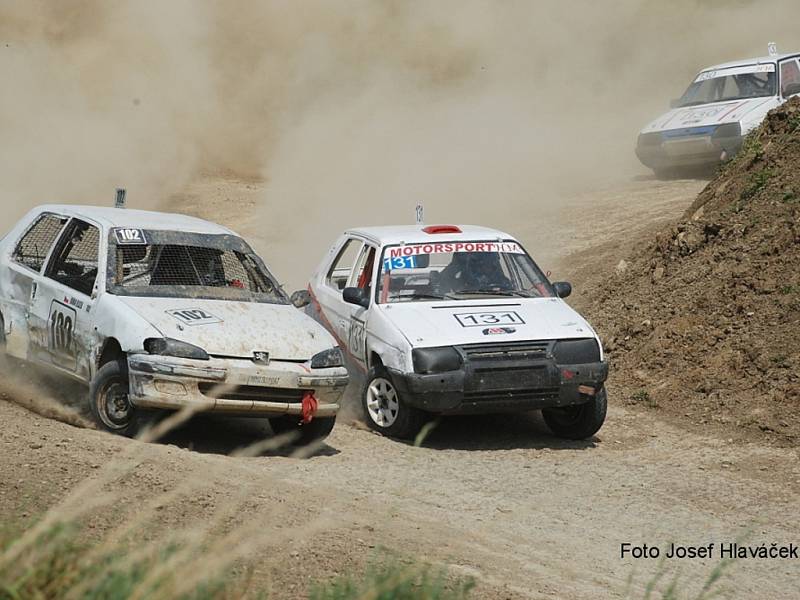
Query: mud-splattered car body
(185,306)
(394,298)
(721,106)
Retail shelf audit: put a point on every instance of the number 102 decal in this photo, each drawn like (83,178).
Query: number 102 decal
(482,319)
(61,335)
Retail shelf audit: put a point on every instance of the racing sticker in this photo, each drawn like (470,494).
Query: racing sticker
(61,335)
(498,330)
(399,262)
(126,236)
(357,338)
(194,316)
(762,68)
(494,319)
(443,248)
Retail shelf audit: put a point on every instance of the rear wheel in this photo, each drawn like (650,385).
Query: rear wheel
(314,431)
(580,421)
(385,409)
(109,400)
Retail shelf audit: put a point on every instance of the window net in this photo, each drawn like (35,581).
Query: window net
(176,265)
(35,244)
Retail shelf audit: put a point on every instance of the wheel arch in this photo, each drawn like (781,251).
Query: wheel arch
(374,360)
(111,350)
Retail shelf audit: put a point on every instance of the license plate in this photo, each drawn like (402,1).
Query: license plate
(482,319)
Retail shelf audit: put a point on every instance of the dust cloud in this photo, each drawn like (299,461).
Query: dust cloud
(353,113)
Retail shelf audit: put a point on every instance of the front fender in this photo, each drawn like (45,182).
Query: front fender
(114,319)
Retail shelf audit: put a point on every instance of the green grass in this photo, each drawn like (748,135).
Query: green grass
(665,586)
(752,147)
(643,397)
(756,182)
(56,566)
(388,580)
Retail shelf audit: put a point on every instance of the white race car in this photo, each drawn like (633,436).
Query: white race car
(163,311)
(722,104)
(458,319)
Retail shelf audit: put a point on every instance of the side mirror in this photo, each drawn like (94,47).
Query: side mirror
(674,102)
(300,298)
(791,89)
(357,296)
(562,288)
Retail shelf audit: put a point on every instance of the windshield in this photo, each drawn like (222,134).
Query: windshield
(754,81)
(186,265)
(457,271)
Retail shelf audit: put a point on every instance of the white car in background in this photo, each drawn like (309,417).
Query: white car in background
(163,311)
(454,320)
(722,105)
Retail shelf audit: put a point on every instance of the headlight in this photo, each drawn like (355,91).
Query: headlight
(435,360)
(177,348)
(576,352)
(328,358)
(728,130)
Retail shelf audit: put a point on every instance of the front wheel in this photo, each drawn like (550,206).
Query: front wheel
(580,421)
(315,430)
(385,410)
(109,401)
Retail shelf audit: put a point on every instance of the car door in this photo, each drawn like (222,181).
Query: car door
(61,305)
(357,316)
(335,312)
(25,266)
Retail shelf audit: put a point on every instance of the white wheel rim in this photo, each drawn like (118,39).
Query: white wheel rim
(382,403)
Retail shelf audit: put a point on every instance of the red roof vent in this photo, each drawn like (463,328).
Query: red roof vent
(441,229)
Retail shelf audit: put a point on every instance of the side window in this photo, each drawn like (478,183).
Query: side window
(34,246)
(342,266)
(75,262)
(790,73)
(366,263)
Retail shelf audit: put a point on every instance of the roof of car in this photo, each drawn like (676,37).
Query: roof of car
(136,219)
(751,61)
(399,234)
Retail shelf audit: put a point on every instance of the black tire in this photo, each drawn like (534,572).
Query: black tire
(578,422)
(109,402)
(392,416)
(316,430)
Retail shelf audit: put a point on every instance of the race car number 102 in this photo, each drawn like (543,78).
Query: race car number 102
(485,318)
(61,325)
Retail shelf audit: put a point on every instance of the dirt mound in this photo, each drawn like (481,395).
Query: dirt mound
(704,320)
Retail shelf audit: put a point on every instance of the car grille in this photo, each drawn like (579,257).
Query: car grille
(510,394)
(252,392)
(476,353)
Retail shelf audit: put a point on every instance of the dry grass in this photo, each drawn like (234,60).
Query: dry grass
(204,559)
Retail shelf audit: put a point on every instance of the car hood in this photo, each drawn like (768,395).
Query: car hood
(235,329)
(707,115)
(427,324)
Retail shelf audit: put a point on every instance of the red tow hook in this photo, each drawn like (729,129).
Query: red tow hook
(310,406)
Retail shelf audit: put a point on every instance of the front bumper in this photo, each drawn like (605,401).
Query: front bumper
(507,386)
(660,151)
(232,386)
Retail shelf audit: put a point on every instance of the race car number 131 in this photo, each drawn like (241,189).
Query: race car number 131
(482,319)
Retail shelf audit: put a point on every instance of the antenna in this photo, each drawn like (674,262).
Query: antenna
(420,214)
(120,200)
(772,48)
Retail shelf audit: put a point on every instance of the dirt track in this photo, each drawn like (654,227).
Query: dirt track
(527,515)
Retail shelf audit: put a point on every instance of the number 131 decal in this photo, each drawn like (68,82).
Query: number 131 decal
(489,318)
